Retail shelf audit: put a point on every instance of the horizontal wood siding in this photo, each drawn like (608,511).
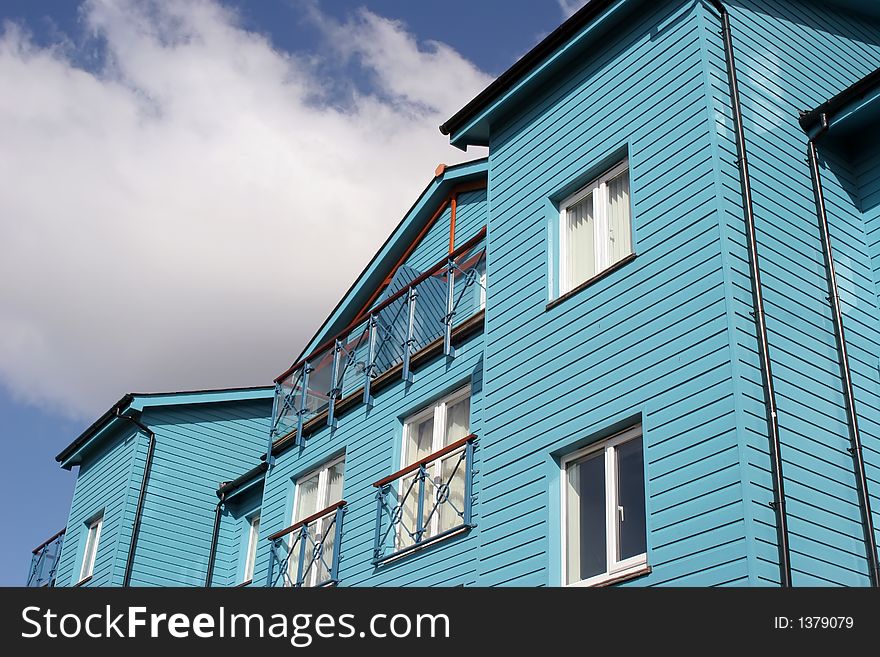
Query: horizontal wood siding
(108,481)
(790,57)
(371,441)
(650,340)
(434,245)
(868,172)
(234,536)
(470,216)
(197,448)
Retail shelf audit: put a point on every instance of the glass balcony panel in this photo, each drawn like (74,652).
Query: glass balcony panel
(320,382)
(428,321)
(432,311)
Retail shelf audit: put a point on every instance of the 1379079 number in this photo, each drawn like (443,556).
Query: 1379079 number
(825,622)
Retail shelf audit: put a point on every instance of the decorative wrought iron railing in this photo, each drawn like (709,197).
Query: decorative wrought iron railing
(44,561)
(417,313)
(307,552)
(426,501)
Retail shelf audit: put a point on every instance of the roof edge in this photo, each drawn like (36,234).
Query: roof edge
(811,120)
(439,177)
(524,64)
(227,487)
(117,408)
(131,399)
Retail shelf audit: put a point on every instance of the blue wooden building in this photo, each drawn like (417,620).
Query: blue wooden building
(638,344)
(145,497)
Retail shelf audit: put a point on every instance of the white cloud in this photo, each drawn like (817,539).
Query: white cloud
(569,7)
(187,215)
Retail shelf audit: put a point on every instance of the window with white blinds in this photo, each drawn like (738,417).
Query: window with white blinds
(315,492)
(442,423)
(595,228)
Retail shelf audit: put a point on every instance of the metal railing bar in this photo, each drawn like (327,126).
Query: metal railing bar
(451,447)
(306,521)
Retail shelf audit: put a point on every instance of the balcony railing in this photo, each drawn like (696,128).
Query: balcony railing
(415,313)
(424,502)
(44,561)
(307,552)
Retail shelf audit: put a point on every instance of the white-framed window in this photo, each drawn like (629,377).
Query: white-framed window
(603,503)
(430,430)
(250,556)
(315,491)
(595,228)
(93,535)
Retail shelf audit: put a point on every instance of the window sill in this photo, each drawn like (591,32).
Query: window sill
(590,281)
(427,543)
(82,581)
(599,581)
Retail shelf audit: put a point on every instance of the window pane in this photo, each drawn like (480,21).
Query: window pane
(89,553)
(580,241)
(420,439)
(586,518)
(252,548)
(631,496)
(458,420)
(334,483)
(306,497)
(619,229)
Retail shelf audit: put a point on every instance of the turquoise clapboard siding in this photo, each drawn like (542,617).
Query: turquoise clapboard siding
(198,446)
(108,482)
(780,48)
(372,442)
(649,341)
(234,537)
(667,340)
(470,217)
(868,176)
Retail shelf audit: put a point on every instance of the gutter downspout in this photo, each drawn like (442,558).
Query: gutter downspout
(834,298)
(139,509)
(215,535)
(778,503)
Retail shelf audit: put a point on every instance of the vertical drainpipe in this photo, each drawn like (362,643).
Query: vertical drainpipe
(845,373)
(778,503)
(215,535)
(139,509)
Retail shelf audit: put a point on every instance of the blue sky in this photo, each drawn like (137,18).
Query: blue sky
(161,163)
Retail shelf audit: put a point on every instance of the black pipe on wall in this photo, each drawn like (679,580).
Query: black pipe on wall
(215,535)
(778,503)
(139,509)
(845,373)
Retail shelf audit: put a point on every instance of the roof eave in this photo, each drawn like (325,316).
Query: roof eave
(451,175)
(65,456)
(842,105)
(136,401)
(458,126)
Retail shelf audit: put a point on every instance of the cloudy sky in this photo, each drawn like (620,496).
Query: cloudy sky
(186,189)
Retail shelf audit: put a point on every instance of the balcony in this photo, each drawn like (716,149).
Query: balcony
(419,311)
(305,554)
(44,562)
(425,502)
